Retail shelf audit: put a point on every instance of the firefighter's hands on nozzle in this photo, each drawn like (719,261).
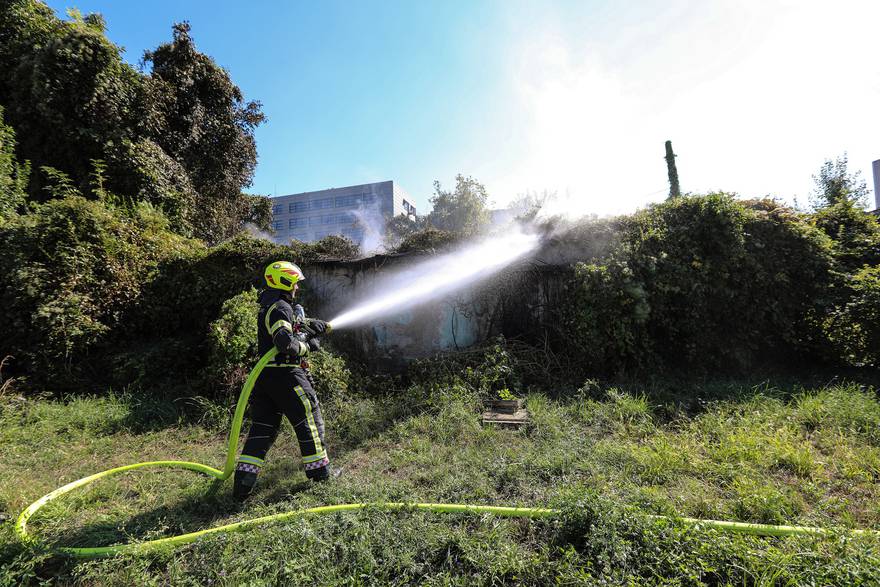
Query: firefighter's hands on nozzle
(316,327)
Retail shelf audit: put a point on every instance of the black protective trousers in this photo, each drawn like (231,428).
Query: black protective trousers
(285,390)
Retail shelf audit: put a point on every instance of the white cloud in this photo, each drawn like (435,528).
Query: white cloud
(754,95)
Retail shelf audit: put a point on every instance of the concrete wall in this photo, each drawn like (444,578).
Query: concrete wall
(516,302)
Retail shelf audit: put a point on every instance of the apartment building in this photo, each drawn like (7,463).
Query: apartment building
(358,212)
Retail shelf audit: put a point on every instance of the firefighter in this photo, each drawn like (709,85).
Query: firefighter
(283,387)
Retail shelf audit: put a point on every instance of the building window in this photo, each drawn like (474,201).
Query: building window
(315,220)
(410,209)
(355,200)
(322,203)
(344,218)
(297,222)
(277,225)
(298,207)
(348,201)
(344,201)
(276,209)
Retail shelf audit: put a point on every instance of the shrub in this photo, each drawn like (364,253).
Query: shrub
(331,247)
(70,271)
(13,175)
(232,353)
(856,234)
(497,372)
(700,282)
(93,288)
(427,240)
(854,325)
(333,378)
(232,340)
(143,170)
(482,371)
(190,291)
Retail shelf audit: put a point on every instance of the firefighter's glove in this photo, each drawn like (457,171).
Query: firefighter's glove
(314,344)
(300,348)
(316,327)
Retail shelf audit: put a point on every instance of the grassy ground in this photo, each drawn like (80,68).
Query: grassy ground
(606,457)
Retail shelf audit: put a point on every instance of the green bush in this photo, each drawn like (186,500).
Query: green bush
(190,291)
(232,340)
(333,377)
(608,314)
(142,169)
(13,175)
(427,240)
(469,376)
(93,288)
(177,311)
(330,247)
(856,234)
(232,353)
(70,272)
(496,373)
(700,282)
(854,324)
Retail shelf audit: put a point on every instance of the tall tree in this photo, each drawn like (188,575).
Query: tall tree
(66,90)
(672,171)
(199,117)
(526,206)
(400,227)
(838,201)
(834,184)
(180,137)
(461,210)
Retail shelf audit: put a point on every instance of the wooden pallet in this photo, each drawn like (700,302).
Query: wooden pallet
(504,406)
(506,420)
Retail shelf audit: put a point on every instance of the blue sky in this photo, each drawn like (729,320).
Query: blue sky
(575,97)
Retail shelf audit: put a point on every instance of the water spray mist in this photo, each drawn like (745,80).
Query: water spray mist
(439,275)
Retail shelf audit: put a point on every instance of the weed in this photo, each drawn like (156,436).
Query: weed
(603,462)
(849,409)
(620,412)
(764,503)
(798,460)
(5,383)
(660,460)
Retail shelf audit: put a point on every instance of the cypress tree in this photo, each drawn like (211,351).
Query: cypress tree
(674,189)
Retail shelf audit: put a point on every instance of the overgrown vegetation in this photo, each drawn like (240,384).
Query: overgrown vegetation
(179,136)
(703,282)
(455,215)
(606,456)
(102,282)
(128,295)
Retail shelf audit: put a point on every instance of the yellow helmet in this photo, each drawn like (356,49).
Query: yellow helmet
(283,275)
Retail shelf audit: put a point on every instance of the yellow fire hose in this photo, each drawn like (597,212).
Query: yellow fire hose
(229,467)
